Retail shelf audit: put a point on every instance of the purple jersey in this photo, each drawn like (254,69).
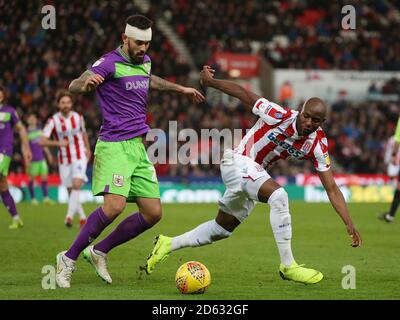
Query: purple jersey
(8,119)
(123,95)
(34,136)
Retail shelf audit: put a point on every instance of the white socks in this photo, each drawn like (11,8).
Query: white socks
(281,224)
(204,234)
(81,212)
(280,220)
(74,205)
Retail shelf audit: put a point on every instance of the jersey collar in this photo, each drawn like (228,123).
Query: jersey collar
(123,54)
(67,117)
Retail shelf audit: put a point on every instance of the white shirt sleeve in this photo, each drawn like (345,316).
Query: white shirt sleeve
(320,156)
(48,128)
(270,112)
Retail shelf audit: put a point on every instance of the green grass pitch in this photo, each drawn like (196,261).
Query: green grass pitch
(245,266)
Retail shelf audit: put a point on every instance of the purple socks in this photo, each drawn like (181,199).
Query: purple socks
(31,189)
(9,202)
(95,224)
(128,229)
(45,189)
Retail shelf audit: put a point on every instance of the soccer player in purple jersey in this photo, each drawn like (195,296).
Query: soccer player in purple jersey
(38,165)
(122,171)
(8,121)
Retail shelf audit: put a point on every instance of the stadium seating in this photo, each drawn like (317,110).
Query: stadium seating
(34,63)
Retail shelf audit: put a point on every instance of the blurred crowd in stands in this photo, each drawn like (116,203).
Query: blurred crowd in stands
(35,63)
(291,34)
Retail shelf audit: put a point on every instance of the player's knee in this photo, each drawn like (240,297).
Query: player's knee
(153,215)
(279,201)
(114,208)
(77,184)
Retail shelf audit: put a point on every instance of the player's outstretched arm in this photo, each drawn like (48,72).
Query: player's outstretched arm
(337,200)
(46,142)
(25,148)
(87,82)
(207,79)
(164,85)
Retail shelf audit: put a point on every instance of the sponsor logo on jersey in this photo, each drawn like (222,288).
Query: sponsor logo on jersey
(293,152)
(139,84)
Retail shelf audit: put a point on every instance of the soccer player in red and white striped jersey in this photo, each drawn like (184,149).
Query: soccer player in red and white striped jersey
(279,133)
(67,129)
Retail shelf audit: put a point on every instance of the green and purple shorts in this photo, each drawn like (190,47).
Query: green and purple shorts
(4,164)
(124,168)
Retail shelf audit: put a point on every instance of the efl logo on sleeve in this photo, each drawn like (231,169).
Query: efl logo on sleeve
(118,180)
(98,62)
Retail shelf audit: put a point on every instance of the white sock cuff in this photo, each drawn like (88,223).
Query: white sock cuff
(220,230)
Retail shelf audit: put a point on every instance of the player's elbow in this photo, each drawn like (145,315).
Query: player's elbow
(71,87)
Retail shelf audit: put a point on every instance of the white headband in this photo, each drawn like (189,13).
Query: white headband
(138,34)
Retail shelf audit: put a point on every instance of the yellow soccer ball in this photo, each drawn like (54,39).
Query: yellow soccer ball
(192,277)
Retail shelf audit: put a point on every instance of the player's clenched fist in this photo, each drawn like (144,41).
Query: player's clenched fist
(206,75)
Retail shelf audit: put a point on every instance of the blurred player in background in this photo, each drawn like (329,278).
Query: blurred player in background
(122,171)
(38,165)
(392,159)
(280,133)
(67,127)
(8,121)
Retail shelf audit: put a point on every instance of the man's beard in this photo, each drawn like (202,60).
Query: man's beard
(134,57)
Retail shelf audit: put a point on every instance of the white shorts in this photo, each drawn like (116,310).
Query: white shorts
(77,169)
(243,178)
(392,170)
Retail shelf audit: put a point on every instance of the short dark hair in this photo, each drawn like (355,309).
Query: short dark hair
(63,93)
(139,21)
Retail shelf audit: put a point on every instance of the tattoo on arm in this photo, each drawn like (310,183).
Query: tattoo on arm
(77,84)
(164,85)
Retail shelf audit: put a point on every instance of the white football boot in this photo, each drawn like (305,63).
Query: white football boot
(99,263)
(65,267)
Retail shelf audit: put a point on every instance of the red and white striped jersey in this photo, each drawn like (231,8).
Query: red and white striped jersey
(274,136)
(70,129)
